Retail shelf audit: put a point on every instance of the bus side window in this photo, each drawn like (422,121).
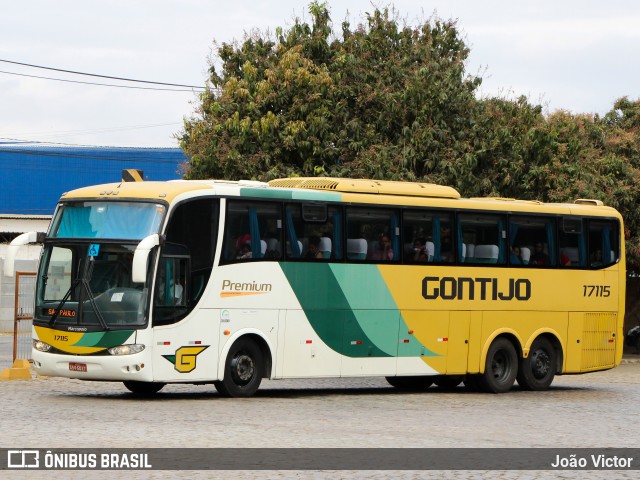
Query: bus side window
(486,232)
(253,231)
(603,243)
(378,229)
(573,243)
(532,240)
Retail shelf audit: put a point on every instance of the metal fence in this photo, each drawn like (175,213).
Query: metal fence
(23,315)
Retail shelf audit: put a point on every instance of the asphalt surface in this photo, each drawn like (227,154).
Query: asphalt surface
(595,410)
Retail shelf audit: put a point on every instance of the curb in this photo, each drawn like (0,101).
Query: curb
(21,370)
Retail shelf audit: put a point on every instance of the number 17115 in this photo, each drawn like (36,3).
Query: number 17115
(596,290)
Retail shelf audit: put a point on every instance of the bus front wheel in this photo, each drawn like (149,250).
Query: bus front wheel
(143,388)
(243,370)
(501,367)
(536,372)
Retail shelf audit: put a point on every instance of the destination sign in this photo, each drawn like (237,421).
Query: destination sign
(63,312)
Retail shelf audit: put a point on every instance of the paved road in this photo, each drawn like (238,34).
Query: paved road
(595,410)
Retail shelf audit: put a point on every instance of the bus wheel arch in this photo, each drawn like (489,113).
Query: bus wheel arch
(500,365)
(538,369)
(247,362)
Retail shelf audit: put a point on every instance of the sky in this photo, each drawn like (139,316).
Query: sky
(572,55)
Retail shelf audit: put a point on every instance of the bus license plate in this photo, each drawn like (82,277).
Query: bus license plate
(77,367)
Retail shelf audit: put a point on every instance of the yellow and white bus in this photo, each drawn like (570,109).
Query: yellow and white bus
(222,282)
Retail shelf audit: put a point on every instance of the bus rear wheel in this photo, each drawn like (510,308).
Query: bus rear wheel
(243,370)
(536,372)
(501,367)
(143,388)
(410,383)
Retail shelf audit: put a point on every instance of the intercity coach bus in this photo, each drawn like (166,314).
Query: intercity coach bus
(223,282)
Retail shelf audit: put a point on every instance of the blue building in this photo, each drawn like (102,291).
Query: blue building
(32,177)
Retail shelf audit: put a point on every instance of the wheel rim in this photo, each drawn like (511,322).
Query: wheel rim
(500,366)
(242,368)
(540,364)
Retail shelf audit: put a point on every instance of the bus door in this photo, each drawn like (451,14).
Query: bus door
(185,346)
(187,351)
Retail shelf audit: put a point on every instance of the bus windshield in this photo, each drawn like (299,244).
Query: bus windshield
(89,285)
(118,220)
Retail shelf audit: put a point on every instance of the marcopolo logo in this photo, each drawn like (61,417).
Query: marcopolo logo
(466,288)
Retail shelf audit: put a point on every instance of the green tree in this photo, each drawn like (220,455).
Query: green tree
(382,100)
(387,100)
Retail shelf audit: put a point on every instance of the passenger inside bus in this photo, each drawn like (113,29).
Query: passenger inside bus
(313,249)
(245,251)
(420,250)
(538,257)
(446,250)
(516,256)
(384,252)
(596,258)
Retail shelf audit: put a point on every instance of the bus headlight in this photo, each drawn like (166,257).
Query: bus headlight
(126,349)
(41,346)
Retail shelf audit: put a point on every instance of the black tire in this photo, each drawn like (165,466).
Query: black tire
(536,372)
(410,383)
(501,367)
(144,388)
(243,370)
(448,382)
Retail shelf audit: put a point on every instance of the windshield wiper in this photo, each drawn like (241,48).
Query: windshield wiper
(87,288)
(92,299)
(52,320)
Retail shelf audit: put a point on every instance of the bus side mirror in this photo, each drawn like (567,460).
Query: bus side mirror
(141,257)
(14,246)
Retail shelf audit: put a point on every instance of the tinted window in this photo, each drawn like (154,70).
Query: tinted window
(483,236)
(253,231)
(532,241)
(428,237)
(373,234)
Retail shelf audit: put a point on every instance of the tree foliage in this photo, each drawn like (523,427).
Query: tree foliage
(387,100)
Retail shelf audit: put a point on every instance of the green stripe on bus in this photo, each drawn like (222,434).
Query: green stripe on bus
(281,194)
(355,334)
(265,193)
(371,303)
(328,310)
(103,339)
(351,309)
(375,309)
